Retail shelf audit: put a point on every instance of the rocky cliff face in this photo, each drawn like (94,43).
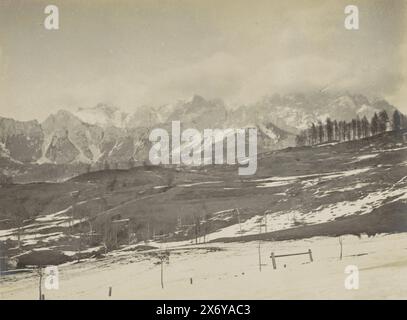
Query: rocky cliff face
(21,140)
(80,136)
(70,139)
(61,149)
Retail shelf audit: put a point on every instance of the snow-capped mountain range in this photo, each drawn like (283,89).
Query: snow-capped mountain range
(106,134)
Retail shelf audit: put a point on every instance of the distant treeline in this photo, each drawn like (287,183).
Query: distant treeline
(355,129)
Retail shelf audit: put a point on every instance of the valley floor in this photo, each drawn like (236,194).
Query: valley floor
(231,271)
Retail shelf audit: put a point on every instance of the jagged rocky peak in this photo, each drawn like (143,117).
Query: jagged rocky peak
(61,117)
(199,113)
(104,115)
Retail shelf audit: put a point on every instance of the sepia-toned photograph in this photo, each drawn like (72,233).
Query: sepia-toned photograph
(203,150)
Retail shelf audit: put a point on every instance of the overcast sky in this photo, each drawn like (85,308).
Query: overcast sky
(132,53)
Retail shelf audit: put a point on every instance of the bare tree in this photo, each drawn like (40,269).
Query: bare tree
(396,120)
(354,129)
(164,257)
(383,120)
(301,139)
(329,129)
(197,229)
(375,124)
(358,127)
(314,134)
(20,213)
(259,247)
(238,219)
(320,132)
(365,127)
(348,129)
(336,130)
(40,273)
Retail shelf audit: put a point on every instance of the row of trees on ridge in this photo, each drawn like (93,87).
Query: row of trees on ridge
(357,128)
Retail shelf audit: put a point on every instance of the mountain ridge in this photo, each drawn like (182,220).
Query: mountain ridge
(104,135)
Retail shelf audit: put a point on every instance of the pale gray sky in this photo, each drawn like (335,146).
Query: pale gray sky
(130,53)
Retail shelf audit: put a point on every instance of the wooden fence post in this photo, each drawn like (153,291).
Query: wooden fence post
(273,259)
(310,255)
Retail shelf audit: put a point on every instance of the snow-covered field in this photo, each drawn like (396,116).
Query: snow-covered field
(31,234)
(231,271)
